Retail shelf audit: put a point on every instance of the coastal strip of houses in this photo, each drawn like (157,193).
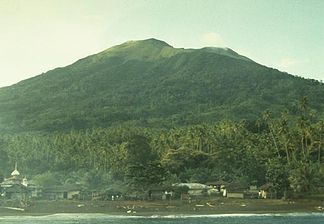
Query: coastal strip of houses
(17,187)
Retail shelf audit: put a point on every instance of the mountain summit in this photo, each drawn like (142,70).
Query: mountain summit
(151,49)
(150,83)
(145,49)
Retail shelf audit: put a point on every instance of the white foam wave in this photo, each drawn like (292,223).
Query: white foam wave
(82,216)
(297,214)
(68,216)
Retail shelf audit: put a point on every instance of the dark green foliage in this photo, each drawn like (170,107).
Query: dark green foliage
(47,179)
(142,177)
(143,113)
(141,158)
(148,83)
(305,177)
(278,174)
(139,151)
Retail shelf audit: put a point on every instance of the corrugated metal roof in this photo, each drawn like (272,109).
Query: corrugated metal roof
(192,186)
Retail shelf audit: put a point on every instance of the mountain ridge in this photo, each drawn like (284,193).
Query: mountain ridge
(150,83)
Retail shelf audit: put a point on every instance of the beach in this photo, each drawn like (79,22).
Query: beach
(163,208)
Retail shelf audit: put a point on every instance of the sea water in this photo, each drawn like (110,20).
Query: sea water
(293,218)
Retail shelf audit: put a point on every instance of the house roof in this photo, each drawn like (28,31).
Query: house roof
(9,182)
(192,186)
(16,188)
(15,173)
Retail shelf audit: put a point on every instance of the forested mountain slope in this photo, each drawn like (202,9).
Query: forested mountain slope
(149,83)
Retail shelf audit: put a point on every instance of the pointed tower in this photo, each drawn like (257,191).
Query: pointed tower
(15,173)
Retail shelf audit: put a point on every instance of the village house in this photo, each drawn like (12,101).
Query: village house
(15,187)
(217,188)
(266,191)
(194,189)
(237,189)
(158,193)
(69,191)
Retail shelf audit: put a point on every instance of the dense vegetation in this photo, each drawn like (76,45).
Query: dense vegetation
(150,84)
(286,151)
(143,114)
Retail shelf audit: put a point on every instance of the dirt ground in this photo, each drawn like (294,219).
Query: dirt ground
(206,206)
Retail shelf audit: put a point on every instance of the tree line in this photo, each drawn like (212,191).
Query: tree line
(286,151)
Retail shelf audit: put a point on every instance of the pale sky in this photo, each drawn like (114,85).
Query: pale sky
(39,35)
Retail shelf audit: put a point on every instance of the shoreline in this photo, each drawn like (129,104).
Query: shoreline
(180,215)
(168,208)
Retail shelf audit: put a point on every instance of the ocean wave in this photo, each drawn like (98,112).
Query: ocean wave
(82,216)
(295,214)
(67,216)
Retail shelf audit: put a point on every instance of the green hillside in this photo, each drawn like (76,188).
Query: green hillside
(144,114)
(151,84)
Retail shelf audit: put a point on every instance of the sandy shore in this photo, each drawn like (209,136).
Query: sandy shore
(215,206)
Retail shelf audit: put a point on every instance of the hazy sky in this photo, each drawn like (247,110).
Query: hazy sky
(39,35)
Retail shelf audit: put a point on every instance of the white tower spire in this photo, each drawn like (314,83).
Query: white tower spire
(15,172)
